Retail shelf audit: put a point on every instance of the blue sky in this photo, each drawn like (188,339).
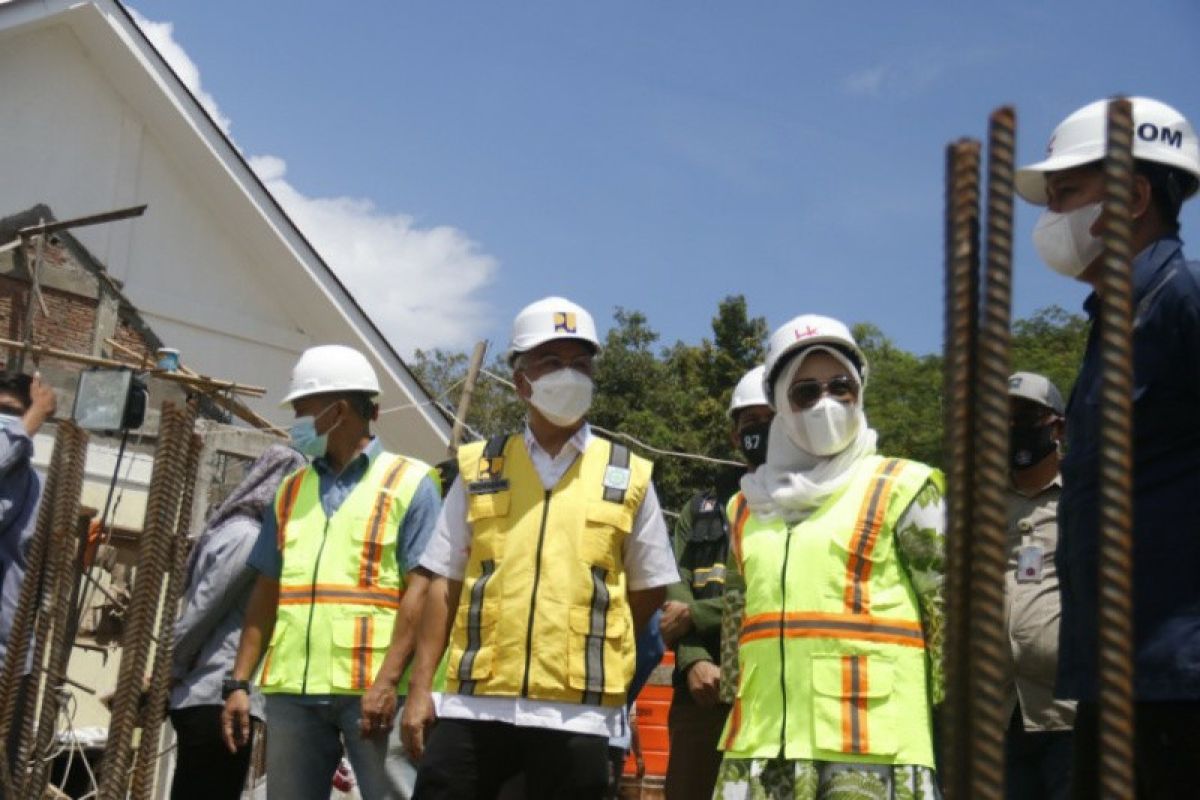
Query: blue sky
(659,156)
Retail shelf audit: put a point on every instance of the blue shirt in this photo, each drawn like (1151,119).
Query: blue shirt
(1166,493)
(20,493)
(415,529)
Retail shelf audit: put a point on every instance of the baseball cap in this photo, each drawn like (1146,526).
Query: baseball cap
(1038,388)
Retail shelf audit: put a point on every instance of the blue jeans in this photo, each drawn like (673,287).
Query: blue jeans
(305,737)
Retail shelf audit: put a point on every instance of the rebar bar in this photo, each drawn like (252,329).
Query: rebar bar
(989,640)
(21,634)
(154,552)
(160,677)
(61,580)
(1116,768)
(961,320)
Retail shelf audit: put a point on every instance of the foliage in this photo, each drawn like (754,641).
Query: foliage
(675,398)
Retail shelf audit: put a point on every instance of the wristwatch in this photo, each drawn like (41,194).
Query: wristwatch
(231,685)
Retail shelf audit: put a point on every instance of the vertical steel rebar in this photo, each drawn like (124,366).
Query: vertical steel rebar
(989,640)
(63,543)
(21,635)
(961,319)
(1116,768)
(160,676)
(154,566)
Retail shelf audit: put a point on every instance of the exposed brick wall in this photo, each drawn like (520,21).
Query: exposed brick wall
(67,326)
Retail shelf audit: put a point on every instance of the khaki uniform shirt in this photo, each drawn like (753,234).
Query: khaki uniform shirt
(1031,610)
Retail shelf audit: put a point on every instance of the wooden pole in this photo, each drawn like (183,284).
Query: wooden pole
(464,400)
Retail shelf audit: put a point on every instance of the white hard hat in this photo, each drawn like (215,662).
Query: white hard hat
(748,392)
(805,331)
(548,319)
(1161,135)
(331,368)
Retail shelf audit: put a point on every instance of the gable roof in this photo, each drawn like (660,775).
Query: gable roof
(97,119)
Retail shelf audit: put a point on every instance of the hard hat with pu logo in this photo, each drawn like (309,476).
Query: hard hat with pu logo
(548,319)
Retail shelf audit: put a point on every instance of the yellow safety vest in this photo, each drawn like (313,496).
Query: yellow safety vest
(832,654)
(543,612)
(341,582)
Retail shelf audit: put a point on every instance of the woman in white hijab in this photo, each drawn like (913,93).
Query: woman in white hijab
(841,553)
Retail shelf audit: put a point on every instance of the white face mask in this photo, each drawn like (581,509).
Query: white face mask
(825,429)
(1065,241)
(562,396)
(8,419)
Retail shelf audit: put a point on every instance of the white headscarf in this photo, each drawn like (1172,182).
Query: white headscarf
(794,483)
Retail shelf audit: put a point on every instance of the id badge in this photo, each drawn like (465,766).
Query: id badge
(1030,564)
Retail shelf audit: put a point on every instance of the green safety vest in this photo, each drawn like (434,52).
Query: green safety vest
(831,653)
(341,582)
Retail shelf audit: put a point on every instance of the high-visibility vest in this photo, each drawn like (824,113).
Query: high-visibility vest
(543,612)
(832,656)
(341,582)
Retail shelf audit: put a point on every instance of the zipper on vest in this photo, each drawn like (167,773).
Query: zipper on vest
(787,547)
(537,576)
(312,607)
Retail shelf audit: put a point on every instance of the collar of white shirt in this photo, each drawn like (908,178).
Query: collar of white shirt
(551,469)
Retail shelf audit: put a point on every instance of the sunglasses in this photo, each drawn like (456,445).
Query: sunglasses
(806,393)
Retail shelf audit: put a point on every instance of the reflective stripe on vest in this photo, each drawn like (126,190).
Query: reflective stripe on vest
(543,611)
(342,579)
(831,650)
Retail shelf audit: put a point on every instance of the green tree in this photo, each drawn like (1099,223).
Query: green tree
(902,397)
(1050,343)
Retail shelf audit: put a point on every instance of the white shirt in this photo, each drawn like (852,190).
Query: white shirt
(649,563)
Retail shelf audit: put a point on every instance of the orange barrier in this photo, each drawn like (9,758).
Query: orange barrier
(653,705)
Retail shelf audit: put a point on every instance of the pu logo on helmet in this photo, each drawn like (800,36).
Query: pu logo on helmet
(1149,132)
(564,321)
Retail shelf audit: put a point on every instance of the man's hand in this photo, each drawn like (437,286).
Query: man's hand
(415,722)
(42,404)
(675,622)
(704,682)
(235,721)
(378,709)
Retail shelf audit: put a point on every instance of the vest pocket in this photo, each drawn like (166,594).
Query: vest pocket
(359,645)
(264,674)
(595,663)
(603,535)
(852,712)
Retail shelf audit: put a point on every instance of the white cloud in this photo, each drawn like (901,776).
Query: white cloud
(162,36)
(865,81)
(418,284)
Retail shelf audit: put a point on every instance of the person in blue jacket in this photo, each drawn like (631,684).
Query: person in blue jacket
(1166,449)
(25,404)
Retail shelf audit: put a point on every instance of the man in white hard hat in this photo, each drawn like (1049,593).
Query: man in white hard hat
(1038,741)
(549,554)
(1166,452)
(691,622)
(338,582)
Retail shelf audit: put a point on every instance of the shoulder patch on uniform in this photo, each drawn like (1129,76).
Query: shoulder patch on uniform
(616,478)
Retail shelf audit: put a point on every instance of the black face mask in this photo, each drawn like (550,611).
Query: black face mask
(753,443)
(1030,444)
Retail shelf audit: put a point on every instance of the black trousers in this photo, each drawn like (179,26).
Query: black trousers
(1166,750)
(204,768)
(468,759)
(1037,764)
